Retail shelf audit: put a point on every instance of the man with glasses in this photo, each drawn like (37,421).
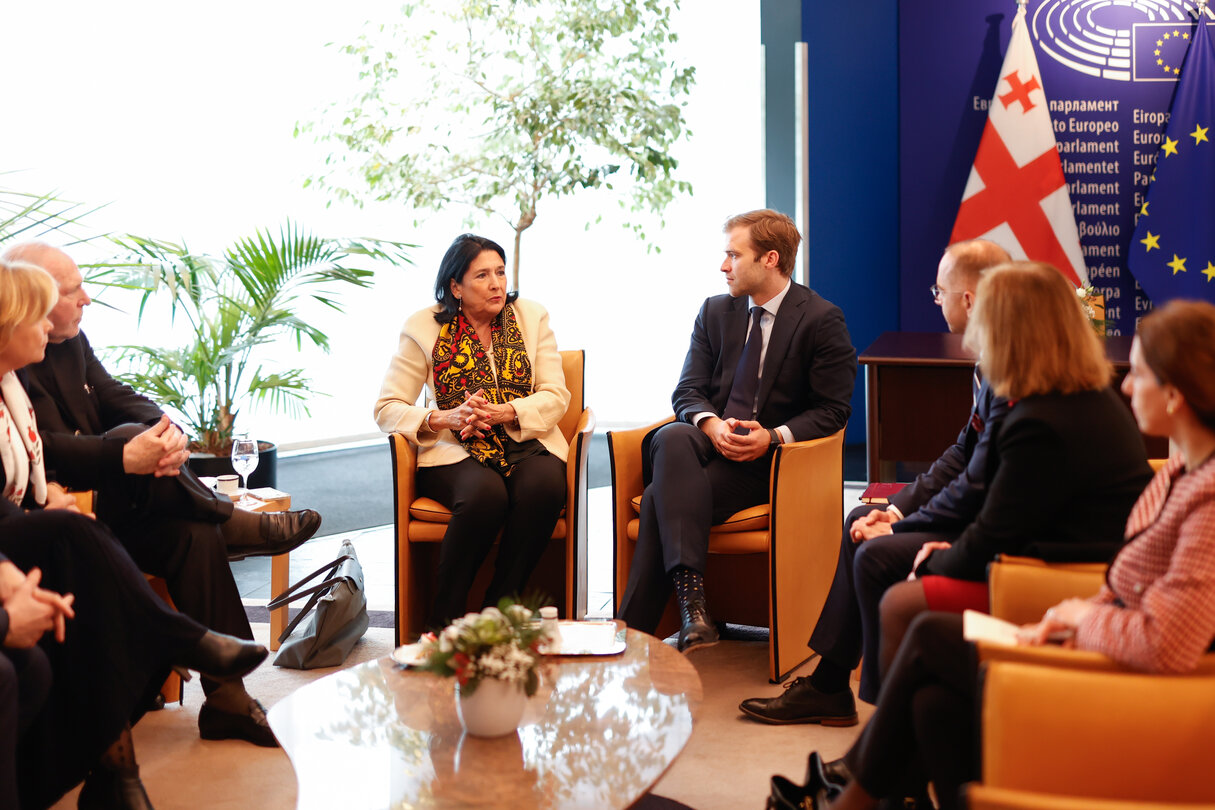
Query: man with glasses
(880,541)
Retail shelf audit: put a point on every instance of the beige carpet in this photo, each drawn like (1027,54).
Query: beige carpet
(726,764)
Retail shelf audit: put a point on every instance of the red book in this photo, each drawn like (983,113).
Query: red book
(880,492)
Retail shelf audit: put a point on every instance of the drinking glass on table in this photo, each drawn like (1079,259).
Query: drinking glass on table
(244,459)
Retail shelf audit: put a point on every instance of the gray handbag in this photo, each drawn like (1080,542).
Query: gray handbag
(337,609)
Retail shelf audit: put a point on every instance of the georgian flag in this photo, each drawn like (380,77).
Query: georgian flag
(1016,195)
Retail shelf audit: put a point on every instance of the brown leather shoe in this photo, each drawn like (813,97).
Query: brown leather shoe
(802,703)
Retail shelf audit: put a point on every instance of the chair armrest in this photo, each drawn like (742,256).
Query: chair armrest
(624,452)
(806,513)
(404,487)
(1111,735)
(1021,589)
(1081,660)
(985,797)
(576,539)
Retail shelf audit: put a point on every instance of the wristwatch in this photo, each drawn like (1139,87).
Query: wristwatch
(773,438)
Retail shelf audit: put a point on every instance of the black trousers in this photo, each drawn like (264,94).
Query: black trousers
(171,527)
(851,621)
(524,505)
(924,728)
(25,681)
(118,649)
(693,487)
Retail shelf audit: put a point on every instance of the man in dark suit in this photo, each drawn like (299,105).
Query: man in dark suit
(771,362)
(880,543)
(99,434)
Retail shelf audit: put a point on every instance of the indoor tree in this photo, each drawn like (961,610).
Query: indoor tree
(496,105)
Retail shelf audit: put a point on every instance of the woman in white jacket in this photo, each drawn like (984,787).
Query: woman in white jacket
(489,448)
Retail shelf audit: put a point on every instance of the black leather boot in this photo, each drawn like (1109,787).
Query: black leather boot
(697,630)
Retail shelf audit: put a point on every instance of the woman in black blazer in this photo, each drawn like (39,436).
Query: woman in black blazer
(1066,465)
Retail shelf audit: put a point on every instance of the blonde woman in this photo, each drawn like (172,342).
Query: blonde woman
(67,585)
(1068,461)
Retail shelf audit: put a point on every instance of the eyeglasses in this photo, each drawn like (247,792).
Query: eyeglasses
(938,293)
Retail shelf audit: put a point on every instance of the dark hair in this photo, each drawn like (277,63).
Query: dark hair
(465,248)
(1178,344)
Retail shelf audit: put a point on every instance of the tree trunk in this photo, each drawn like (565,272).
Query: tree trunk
(514,273)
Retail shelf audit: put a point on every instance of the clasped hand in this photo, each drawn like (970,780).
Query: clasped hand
(31,610)
(875,524)
(736,446)
(476,415)
(158,451)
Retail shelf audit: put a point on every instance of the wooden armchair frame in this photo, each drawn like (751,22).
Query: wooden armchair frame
(770,565)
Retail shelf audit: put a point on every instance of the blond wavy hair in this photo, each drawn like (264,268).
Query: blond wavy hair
(1032,335)
(27,293)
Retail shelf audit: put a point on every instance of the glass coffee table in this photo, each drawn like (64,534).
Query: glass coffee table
(599,733)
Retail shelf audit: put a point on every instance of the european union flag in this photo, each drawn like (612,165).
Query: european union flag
(1172,253)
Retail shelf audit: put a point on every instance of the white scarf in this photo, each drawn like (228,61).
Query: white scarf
(20,444)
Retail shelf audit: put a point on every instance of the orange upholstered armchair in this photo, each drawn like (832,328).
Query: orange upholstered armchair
(770,565)
(1062,737)
(421,523)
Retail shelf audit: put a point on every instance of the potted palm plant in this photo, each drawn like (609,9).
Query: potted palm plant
(234,304)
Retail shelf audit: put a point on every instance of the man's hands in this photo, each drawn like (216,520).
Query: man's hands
(874,524)
(734,446)
(160,451)
(32,610)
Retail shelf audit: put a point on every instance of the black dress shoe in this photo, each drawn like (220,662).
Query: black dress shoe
(697,630)
(222,657)
(835,772)
(802,703)
(214,724)
(109,790)
(788,795)
(278,533)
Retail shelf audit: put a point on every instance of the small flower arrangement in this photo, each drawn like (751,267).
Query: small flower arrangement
(499,643)
(1093,303)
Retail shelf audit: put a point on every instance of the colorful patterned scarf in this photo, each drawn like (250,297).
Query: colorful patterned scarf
(461,366)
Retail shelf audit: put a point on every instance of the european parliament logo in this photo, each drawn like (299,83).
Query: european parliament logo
(1121,40)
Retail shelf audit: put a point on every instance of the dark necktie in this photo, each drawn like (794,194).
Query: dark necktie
(745,390)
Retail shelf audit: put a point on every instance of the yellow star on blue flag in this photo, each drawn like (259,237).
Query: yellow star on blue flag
(1180,202)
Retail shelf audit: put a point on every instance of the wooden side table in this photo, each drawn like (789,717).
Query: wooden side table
(280,566)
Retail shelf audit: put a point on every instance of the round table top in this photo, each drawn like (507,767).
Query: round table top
(599,733)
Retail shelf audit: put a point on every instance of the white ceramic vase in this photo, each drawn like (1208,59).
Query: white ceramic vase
(493,709)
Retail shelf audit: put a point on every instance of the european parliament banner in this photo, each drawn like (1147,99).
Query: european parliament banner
(1108,71)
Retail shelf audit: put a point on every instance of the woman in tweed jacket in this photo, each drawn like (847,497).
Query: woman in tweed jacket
(1155,613)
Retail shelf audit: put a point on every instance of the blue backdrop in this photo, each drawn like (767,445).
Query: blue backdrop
(1108,71)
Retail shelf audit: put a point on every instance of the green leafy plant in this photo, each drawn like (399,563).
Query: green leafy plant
(495,106)
(234,304)
(25,215)
(499,643)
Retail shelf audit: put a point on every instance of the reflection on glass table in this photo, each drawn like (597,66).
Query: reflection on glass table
(599,733)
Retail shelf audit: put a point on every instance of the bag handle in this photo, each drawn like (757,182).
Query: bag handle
(288,596)
(314,594)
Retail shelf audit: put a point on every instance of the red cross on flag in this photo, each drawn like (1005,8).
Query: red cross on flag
(1016,195)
